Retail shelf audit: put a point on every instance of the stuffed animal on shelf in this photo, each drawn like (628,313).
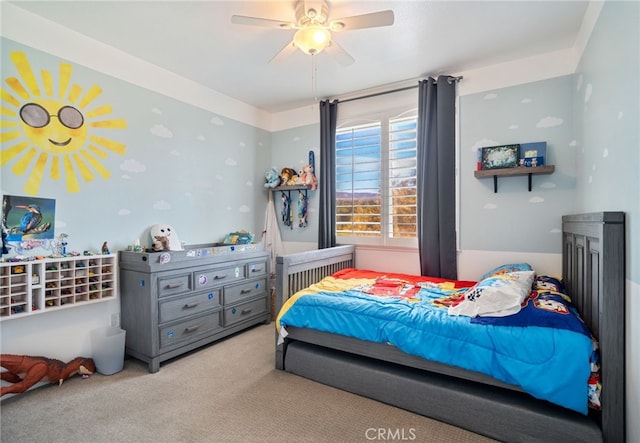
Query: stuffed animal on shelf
(164,238)
(272,178)
(307,177)
(37,368)
(289,176)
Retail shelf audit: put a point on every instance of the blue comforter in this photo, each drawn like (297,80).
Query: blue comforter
(549,363)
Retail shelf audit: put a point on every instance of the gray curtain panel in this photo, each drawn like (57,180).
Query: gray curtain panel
(327,174)
(436,177)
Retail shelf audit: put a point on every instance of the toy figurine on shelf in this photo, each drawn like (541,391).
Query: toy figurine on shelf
(105,249)
(59,245)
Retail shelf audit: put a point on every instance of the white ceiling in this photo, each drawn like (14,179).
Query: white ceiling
(196,40)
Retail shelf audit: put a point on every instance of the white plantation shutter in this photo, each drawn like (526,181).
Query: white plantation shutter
(358,181)
(402,178)
(376,181)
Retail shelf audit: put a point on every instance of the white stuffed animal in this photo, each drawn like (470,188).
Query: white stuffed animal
(164,238)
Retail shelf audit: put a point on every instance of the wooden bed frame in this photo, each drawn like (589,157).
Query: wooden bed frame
(593,271)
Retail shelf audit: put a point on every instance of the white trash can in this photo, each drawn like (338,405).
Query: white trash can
(108,349)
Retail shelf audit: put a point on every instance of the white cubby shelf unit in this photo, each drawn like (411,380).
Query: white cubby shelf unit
(37,286)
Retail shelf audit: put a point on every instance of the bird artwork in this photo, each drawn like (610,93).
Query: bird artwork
(31,220)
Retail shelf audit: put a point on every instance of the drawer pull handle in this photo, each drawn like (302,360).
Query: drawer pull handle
(190,305)
(173,285)
(245,311)
(256,270)
(192,328)
(219,277)
(245,291)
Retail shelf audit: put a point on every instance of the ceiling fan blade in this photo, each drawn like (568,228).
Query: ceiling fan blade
(373,20)
(284,53)
(339,54)
(257,21)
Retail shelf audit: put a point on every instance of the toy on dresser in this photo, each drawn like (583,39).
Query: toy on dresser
(164,238)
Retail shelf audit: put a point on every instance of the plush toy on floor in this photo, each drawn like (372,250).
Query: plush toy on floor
(37,368)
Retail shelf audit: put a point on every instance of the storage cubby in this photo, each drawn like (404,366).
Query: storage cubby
(36,286)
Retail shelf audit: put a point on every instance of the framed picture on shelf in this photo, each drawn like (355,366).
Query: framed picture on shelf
(498,157)
(532,154)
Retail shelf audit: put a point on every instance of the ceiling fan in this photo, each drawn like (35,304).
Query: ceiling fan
(314,29)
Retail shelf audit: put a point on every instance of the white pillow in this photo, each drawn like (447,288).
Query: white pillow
(496,296)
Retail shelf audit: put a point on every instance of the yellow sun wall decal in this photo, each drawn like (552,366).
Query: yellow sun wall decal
(42,131)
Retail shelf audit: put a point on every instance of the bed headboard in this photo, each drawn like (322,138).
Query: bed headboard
(593,268)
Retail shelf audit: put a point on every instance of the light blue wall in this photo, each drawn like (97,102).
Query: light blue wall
(514,219)
(607,117)
(200,173)
(290,148)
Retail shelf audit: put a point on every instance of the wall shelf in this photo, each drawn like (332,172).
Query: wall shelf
(509,172)
(38,286)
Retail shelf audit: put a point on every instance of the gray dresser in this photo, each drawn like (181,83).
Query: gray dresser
(176,301)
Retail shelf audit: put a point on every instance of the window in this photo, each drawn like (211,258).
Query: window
(376,181)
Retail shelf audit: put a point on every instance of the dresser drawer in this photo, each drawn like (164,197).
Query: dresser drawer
(216,277)
(244,311)
(243,291)
(257,269)
(174,284)
(176,308)
(189,330)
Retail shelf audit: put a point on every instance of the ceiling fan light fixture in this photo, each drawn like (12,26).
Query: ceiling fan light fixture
(312,39)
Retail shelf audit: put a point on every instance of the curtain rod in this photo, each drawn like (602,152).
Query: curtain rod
(376,94)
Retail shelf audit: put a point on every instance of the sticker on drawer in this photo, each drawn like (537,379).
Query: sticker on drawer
(203,280)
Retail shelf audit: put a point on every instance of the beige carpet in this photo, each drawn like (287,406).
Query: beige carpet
(226,392)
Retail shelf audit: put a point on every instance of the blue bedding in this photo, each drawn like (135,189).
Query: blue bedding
(549,363)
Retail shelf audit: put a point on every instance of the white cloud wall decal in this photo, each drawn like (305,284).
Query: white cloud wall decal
(587,93)
(161,131)
(124,212)
(549,122)
(216,121)
(536,200)
(490,206)
(132,165)
(230,162)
